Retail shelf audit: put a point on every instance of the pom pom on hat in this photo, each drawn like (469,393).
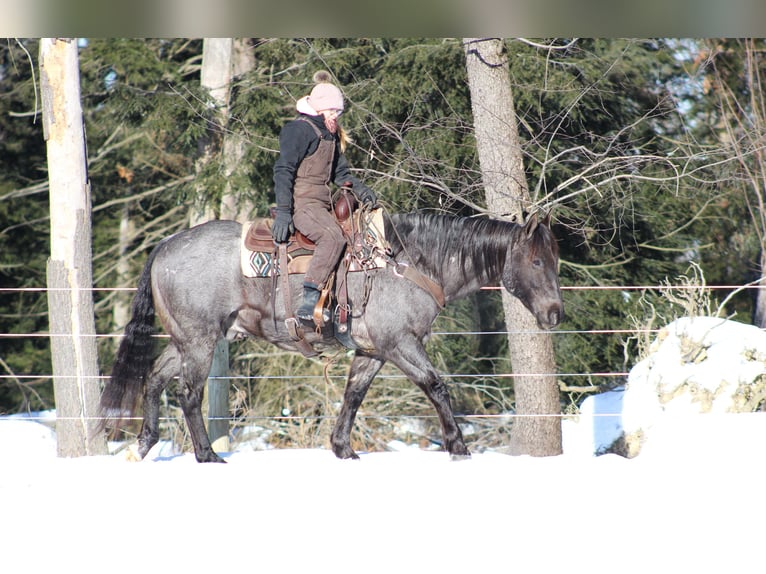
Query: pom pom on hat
(325,95)
(322,77)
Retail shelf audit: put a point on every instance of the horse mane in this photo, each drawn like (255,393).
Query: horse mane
(471,246)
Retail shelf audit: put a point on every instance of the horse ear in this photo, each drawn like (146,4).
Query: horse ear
(547,219)
(531,225)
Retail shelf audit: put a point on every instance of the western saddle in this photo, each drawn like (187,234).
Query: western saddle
(366,249)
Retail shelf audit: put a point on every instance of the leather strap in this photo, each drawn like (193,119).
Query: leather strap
(292,324)
(319,307)
(342,292)
(424,282)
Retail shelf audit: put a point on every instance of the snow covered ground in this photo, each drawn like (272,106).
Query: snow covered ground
(691,501)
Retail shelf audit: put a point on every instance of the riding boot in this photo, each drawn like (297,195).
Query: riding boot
(310,299)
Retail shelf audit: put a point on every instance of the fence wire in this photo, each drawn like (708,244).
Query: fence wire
(619,375)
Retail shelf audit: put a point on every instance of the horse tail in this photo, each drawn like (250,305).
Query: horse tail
(135,355)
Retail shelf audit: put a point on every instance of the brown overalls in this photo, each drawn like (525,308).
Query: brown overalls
(312,210)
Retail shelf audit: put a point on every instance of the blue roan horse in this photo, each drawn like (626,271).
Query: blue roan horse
(193,282)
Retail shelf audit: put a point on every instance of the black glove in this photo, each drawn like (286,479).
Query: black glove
(283,227)
(368,197)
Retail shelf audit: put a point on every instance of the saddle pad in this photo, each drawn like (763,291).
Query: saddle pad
(263,263)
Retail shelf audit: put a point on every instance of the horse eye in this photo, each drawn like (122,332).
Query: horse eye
(537,262)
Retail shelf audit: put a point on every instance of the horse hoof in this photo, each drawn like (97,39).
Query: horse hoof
(143,449)
(346,454)
(210,457)
(458,451)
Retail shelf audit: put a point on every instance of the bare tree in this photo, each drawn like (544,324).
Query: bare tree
(742,128)
(537,428)
(70,297)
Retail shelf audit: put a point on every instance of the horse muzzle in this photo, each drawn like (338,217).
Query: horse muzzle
(551,318)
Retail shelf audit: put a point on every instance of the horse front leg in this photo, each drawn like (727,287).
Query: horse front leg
(411,358)
(360,375)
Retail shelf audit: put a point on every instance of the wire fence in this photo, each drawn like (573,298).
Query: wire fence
(437,333)
(316,378)
(557,332)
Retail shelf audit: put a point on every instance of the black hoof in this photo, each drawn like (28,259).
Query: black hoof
(458,451)
(144,448)
(210,457)
(346,454)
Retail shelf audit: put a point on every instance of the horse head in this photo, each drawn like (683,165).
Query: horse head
(531,271)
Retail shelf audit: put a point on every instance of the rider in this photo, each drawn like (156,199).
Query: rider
(311,156)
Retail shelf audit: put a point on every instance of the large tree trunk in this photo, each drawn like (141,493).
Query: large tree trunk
(537,428)
(759,313)
(70,276)
(222,60)
(233,206)
(216,77)
(217,68)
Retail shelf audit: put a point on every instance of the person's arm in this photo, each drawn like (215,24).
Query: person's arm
(293,145)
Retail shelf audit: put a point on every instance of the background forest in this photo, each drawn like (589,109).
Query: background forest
(649,152)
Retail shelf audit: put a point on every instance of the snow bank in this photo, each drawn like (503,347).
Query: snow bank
(696,366)
(25,436)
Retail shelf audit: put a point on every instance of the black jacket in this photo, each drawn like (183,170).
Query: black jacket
(298,140)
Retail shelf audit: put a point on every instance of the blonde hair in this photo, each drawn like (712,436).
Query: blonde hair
(344,138)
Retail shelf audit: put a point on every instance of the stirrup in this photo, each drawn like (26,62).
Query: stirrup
(325,316)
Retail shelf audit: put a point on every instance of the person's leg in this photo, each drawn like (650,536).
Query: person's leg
(319,225)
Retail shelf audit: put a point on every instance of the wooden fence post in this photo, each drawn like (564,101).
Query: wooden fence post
(218,398)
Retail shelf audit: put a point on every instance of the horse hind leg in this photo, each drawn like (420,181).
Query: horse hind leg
(360,375)
(195,366)
(191,370)
(164,369)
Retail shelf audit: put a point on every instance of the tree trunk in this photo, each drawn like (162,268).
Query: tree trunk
(121,311)
(759,314)
(217,67)
(216,77)
(537,428)
(232,204)
(70,275)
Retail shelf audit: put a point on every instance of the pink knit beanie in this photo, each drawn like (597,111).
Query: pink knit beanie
(325,96)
